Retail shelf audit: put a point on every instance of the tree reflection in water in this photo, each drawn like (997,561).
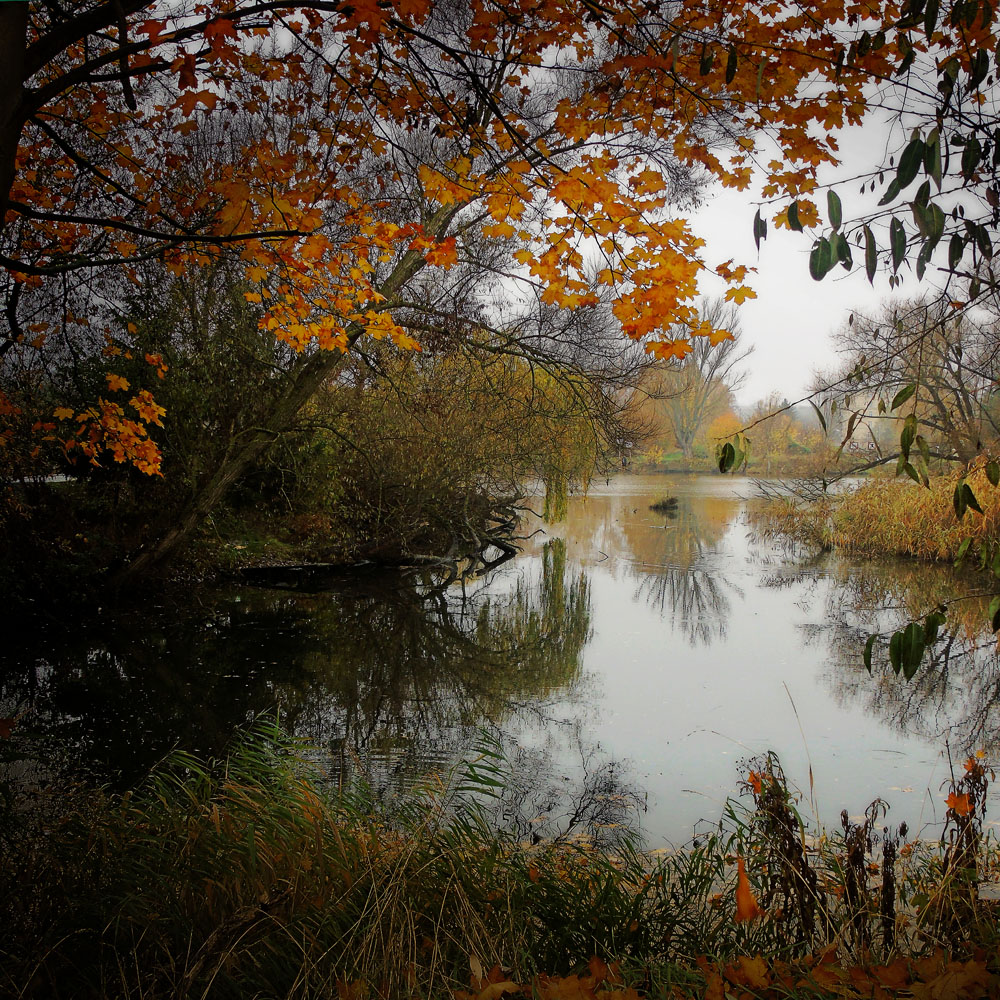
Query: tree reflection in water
(379,666)
(675,577)
(955,694)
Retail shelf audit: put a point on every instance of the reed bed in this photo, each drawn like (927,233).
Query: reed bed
(243,878)
(890,517)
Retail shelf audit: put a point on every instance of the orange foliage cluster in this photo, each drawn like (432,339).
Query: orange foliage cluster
(311,103)
(937,976)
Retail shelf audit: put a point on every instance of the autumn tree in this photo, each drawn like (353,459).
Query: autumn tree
(689,394)
(356,147)
(929,361)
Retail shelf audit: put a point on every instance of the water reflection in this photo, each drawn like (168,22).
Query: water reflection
(955,695)
(669,554)
(675,642)
(383,662)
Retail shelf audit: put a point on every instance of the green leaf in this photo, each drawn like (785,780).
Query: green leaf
(731,64)
(897,243)
(930,17)
(907,435)
(868,652)
(958,501)
(842,250)
(970,498)
(821,259)
(994,613)
(925,449)
(793,217)
(922,218)
(956,246)
(871,255)
(891,192)
(759,229)
(819,415)
(896,651)
(911,472)
(932,625)
(962,549)
(912,648)
(902,396)
(993,472)
(707,59)
(980,68)
(983,242)
(834,209)
(932,157)
(937,224)
(727,457)
(910,162)
(971,156)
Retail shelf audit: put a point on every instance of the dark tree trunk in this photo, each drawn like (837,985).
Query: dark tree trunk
(13,43)
(244,450)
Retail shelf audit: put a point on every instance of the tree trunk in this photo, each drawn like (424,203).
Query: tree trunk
(13,42)
(247,447)
(310,374)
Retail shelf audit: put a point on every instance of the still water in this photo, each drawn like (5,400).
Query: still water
(638,656)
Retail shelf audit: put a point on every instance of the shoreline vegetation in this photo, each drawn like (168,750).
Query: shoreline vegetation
(889,517)
(247,876)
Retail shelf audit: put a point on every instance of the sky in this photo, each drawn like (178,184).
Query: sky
(791,322)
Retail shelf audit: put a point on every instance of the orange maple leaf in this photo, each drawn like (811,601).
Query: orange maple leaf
(187,77)
(667,349)
(116,382)
(223,28)
(959,804)
(739,295)
(746,902)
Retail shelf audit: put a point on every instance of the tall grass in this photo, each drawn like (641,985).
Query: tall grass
(242,878)
(889,517)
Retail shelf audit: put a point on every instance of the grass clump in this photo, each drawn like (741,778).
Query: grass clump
(897,517)
(888,517)
(243,878)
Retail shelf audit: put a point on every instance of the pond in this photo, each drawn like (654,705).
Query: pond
(632,657)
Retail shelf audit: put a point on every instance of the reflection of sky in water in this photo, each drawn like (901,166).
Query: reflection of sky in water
(685,690)
(671,641)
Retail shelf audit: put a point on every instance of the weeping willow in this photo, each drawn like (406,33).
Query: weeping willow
(556,498)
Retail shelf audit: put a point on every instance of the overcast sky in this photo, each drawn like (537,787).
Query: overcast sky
(791,321)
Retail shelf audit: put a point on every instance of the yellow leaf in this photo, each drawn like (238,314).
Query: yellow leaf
(739,295)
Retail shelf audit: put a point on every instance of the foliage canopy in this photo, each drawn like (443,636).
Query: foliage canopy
(339,150)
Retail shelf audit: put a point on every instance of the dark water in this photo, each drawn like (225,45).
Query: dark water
(623,648)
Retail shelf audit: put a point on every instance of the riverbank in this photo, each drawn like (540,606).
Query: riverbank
(891,517)
(247,877)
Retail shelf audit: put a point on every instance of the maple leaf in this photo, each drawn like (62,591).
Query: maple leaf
(63,413)
(667,349)
(116,382)
(740,295)
(223,28)
(152,30)
(187,77)
(753,972)
(187,101)
(959,804)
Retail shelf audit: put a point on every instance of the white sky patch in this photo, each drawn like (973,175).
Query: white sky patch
(791,322)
